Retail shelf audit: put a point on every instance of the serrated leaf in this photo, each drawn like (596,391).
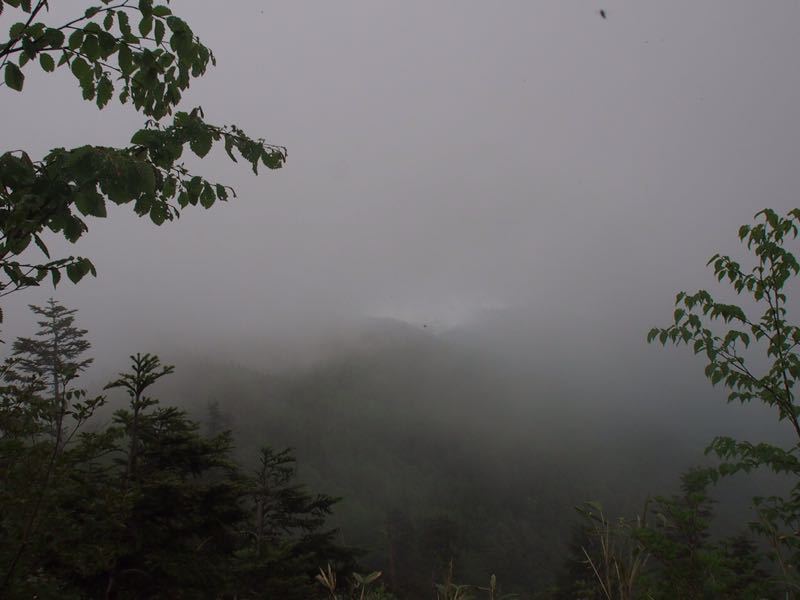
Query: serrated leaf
(146,26)
(87,86)
(75,39)
(16,30)
(105,89)
(14,77)
(125,58)
(160,30)
(124,23)
(54,37)
(108,44)
(74,272)
(143,137)
(91,47)
(86,202)
(201,145)
(222,193)
(41,245)
(80,68)
(47,63)
(207,198)
(158,214)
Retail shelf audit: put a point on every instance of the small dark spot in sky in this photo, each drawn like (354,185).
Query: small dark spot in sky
(602,13)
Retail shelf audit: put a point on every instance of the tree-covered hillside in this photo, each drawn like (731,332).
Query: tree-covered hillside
(468,443)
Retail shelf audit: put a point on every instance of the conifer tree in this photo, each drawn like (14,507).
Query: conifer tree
(54,357)
(287,532)
(145,371)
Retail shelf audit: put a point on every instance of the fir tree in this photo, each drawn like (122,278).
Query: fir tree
(54,357)
(145,371)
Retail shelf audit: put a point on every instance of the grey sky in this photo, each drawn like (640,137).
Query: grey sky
(446,157)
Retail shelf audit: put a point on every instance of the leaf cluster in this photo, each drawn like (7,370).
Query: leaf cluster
(148,57)
(756,358)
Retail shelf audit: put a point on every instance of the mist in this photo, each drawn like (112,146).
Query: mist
(444,161)
(484,210)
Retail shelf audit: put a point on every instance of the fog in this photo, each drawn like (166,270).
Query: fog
(448,158)
(523,183)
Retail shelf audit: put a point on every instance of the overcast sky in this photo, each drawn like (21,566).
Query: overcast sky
(446,157)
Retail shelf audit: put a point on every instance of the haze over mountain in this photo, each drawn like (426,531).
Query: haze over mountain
(441,301)
(501,424)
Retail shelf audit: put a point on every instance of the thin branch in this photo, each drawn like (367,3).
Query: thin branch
(10,45)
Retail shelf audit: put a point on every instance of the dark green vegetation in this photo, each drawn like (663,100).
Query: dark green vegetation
(430,442)
(450,487)
(438,488)
(668,551)
(147,505)
(397,422)
(147,57)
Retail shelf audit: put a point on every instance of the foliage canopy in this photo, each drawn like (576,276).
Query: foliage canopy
(757,358)
(142,54)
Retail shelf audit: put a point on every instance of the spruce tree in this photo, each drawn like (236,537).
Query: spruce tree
(287,537)
(146,369)
(54,357)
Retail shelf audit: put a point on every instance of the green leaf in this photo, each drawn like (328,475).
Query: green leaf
(124,23)
(201,145)
(125,57)
(105,89)
(80,68)
(14,77)
(54,38)
(89,202)
(147,177)
(75,39)
(161,11)
(29,49)
(207,198)
(16,30)
(47,62)
(160,30)
(145,137)
(87,86)
(158,213)
(74,273)
(145,26)
(41,245)
(108,44)
(91,47)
